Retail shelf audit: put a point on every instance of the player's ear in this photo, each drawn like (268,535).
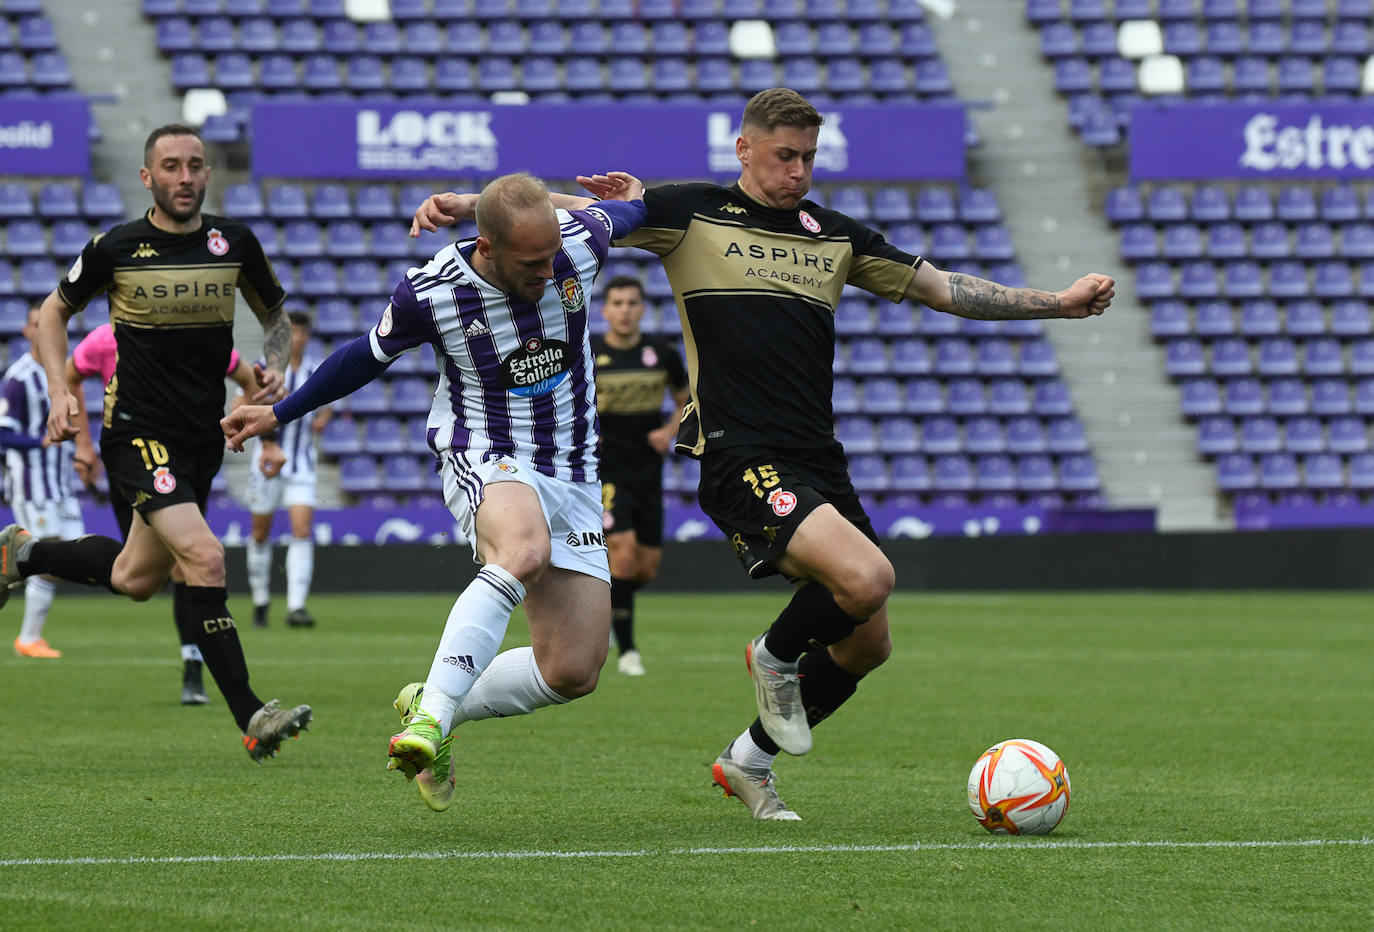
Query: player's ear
(742,149)
(146,177)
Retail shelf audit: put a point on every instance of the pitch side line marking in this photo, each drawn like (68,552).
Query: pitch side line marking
(1007,845)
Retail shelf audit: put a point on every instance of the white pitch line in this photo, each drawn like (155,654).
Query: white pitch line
(1003,845)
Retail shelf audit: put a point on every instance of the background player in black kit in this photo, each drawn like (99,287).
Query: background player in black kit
(171,277)
(757,271)
(632,372)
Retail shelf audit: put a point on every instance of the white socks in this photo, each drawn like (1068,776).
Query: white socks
(512,685)
(472,636)
(300,569)
(749,755)
(259,570)
(38,593)
(191,652)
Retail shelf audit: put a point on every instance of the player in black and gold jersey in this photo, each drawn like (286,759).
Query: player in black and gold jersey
(171,277)
(757,270)
(632,372)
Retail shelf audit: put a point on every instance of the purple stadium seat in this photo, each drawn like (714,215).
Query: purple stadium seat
(1357,241)
(1058,40)
(321,73)
(1231,357)
(1296,76)
(48,70)
(1323,471)
(269,236)
(953,472)
(993,242)
(1099,41)
(856,434)
(340,438)
(995,473)
(1035,473)
(1323,357)
(174,34)
(1242,279)
(911,357)
(941,435)
(1216,436)
(1314,241)
(375,202)
(359,474)
(1182,241)
(933,205)
(1278,471)
(1078,473)
(408,75)
(345,239)
(1236,472)
(882,396)
(189,69)
(335,317)
(372,398)
(68,238)
(1362,357)
(1350,318)
(953,356)
(984,435)
(756,74)
(1139,241)
(1330,397)
(1259,318)
(1287,397)
(1124,205)
(1277,356)
(895,320)
(868,473)
(1166,204)
(452,74)
(1184,357)
(849,199)
(923,396)
(1209,203)
(897,435)
(1304,318)
(949,243)
(25,238)
(384,435)
(1332,280)
(1269,240)
(1100,129)
(362,278)
(1154,280)
(1260,435)
(1296,203)
(1244,397)
(1169,318)
(979,205)
(994,357)
(1025,435)
(1116,75)
(1253,204)
(411,396)
(1051,399)
(37,277)
(1213,319)
(844,396)
(853,318)
(1351,36)
(318,277)
(867,356)
(931,78)
(1224,39)
(301,240)
(1364,398)
(1303,435)
(1182,38)
(287,202)
(1341,75)
(1009,397)
(496,74)
(506,37)
(1201,397)
(1348,434)
(302,37)
(1039,12)
(910,473)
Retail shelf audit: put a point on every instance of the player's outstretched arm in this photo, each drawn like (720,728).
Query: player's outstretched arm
(980,299)
(86,461)
(246,422)
(442,210)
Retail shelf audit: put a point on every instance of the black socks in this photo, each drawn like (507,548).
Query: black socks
(810,621)
(87,560)
(623,612)
(207,612)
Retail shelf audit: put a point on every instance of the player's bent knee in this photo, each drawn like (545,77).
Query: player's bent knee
(863,651)
(573,681)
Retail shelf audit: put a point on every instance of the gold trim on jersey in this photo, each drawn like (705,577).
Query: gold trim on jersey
(630,391)
(658,240)
(173,295)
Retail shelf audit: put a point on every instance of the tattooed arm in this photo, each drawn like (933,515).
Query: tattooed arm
(980,299)
(276,349)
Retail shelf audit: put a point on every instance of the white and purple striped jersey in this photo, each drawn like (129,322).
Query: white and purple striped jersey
(36,474)
(297,438)
(515,377)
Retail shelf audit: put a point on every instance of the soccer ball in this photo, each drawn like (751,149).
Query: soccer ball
(1019,787)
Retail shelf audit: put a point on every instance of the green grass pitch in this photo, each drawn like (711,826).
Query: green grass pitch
(1219,748)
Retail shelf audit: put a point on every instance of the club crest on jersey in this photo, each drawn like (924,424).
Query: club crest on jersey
(570,294)
(216,243)
(782,501)
(536,367)
(808,221)
(163,480)
(648,357)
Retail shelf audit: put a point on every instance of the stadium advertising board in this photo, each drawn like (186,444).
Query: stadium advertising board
(1193,141)
(44,136)
(370,139)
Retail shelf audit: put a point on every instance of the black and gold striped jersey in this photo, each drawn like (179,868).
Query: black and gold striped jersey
(172,310)
(630,387)
(756,288)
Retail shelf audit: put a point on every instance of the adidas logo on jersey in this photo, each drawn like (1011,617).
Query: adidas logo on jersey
(476,329)
(144,251)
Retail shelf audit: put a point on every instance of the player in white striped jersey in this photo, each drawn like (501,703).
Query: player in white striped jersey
(38,482)
(273,485)
(513,424)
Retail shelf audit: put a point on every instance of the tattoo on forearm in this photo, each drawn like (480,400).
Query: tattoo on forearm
(980,299)
(276,340)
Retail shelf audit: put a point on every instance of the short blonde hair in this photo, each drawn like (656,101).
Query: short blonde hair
(505,199)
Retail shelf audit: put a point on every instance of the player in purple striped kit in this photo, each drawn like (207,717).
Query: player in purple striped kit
(38,483)
(514,427)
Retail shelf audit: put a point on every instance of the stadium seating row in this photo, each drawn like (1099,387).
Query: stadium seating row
(1091,11)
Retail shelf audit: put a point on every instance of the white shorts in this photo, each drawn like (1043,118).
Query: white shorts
(266,495)
(572,510)
(59,518)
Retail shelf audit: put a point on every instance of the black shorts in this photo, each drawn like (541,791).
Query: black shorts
(634,503)
(151,473)
(759,497)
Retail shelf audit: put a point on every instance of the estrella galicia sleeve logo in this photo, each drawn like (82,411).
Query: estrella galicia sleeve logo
(536,367)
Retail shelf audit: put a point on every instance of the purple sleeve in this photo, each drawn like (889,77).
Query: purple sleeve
(608,220)
(405,324)
(13,406)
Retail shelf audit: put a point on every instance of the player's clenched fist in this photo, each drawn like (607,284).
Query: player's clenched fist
(245,422)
